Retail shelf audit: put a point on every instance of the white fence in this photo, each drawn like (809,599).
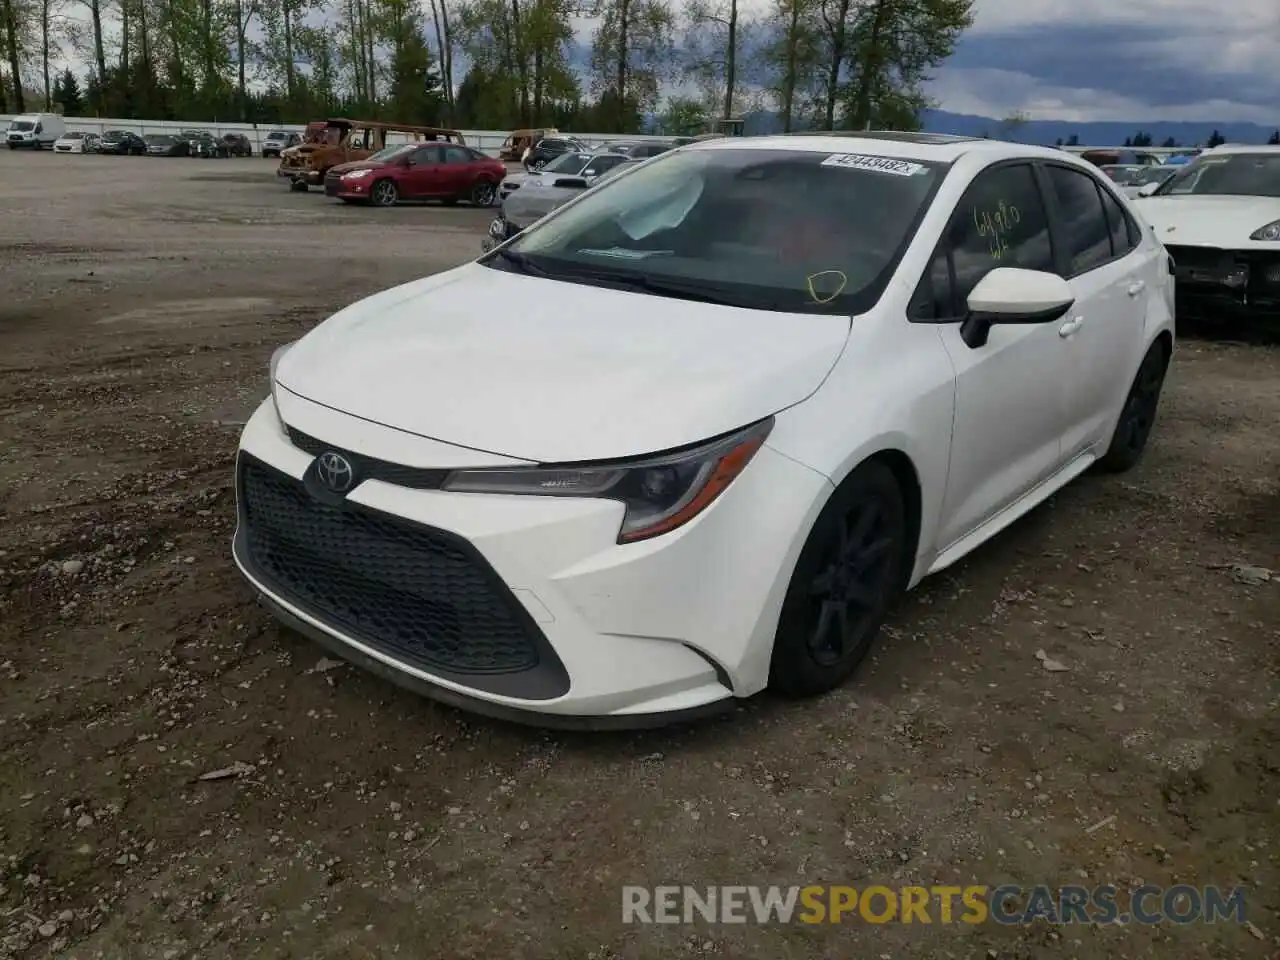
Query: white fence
(487,141)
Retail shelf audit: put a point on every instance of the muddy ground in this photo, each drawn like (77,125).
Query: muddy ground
(139,302)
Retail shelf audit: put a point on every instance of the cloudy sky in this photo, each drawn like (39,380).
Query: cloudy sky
(1139,60)
(1118,60)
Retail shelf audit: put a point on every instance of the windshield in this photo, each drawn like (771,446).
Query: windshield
(782,230)
(22,125)
(73,136)
(277,135)
(113,135)
(160,141)
(1231,174)
(1123,175)
(388,153)
(1150,175)
(568,163)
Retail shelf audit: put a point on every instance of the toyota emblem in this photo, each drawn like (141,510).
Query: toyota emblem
(334,471)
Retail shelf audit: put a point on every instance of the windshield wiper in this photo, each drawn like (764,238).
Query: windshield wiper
(520,262)
(668,287)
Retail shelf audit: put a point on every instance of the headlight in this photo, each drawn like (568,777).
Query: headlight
(660,493)
(356,174)
(275,362)
(1270,232)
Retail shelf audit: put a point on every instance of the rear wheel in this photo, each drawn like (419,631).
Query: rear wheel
(1138,416)
(384,193)
(847,575)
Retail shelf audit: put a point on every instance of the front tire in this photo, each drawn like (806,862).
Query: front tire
(1138,415)
(384,193)
(483,194)
(847,575)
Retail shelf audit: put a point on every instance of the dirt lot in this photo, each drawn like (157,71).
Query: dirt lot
(140,301)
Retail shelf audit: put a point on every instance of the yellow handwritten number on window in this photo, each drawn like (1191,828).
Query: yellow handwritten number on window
(811,280)
(996,225)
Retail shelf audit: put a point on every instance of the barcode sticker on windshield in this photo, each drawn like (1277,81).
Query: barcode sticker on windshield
(857,161)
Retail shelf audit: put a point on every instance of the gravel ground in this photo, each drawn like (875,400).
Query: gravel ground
(141,300)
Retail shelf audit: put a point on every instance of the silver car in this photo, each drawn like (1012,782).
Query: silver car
(588,166)
(538,197)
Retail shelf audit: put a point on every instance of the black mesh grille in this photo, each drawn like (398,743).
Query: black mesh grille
(423,596)
(368,468)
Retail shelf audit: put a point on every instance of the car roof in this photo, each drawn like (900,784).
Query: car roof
(937,147)
(1242,148)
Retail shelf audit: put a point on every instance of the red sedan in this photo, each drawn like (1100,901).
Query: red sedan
(417,171)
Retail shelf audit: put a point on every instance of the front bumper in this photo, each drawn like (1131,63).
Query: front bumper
(335,186)
(604,635)
(1217,284)
(310,177)
(499,231)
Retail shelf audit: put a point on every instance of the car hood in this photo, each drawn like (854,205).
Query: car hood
(522,207)
(548,371)
(1208,221)
(341,168)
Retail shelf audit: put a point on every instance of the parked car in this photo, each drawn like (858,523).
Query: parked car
(513,148)
(164,145)
(548,148)
(278,140)
(1219,219)
(608,474)
(237,145)
(517,214)
(637,149)
(416,171)
(75,141)
(35,130)
(206,145)
(585,165)
(122,142)
(337,141)
(1133,184)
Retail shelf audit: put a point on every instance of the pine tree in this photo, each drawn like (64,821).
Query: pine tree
(66,93)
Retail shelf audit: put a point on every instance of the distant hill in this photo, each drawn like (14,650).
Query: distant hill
(1094,133)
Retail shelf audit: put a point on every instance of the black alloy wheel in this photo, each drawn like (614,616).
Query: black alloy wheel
(483,194)
(1138,415)
(848,573)
(384,193)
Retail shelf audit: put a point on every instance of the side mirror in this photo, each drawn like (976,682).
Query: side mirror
(1147,189)
(1014,295)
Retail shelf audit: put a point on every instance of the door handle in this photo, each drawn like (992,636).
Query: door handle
(1137,288)
(1070,327)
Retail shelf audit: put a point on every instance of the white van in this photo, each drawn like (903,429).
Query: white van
(35,130)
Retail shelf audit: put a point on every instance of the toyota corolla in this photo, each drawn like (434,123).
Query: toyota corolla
(754,390)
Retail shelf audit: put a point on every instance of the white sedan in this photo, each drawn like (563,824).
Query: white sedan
(1219,218)
(754,389)
(74,141)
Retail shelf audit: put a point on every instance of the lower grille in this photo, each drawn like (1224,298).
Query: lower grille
(420,595)
(1243,275)
(331,185)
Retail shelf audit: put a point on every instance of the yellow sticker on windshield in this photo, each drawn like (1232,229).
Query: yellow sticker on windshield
(839,281)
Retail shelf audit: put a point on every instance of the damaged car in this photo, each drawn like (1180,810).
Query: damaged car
(1219,219)
(690,435)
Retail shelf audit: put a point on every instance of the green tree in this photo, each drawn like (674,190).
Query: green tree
(632,53)
(683,116)
(713,49)
(897,43)
(1215,139)
(66,93)
(1073,140)
(790,62)
(1170,143)
(415,85)
(1274,139)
